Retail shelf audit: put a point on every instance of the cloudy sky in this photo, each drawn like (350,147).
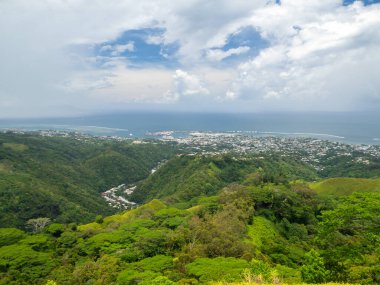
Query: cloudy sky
(74,57)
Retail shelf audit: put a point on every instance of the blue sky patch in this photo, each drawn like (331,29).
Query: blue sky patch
(245,37)
(140,47)
(366,2)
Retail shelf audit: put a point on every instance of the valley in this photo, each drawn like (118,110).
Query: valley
(297,210)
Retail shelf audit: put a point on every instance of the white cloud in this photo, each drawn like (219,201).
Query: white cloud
(321,54)
(155,39)
(186,84)
(117,50)
(200,25)
(218,54)
(43,44)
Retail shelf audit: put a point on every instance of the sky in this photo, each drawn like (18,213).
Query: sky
(78,57)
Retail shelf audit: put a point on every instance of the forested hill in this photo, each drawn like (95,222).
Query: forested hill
(62,177)
(227,218)
(187,176)
(263,233)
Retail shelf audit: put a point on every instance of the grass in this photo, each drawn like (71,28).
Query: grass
(345,186)
(5,167)
(247,283)
(144,211)
(260,230)
(16,147)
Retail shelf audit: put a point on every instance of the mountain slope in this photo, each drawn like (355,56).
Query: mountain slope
(185,177)
(61,178)
(250,234)
(345,186)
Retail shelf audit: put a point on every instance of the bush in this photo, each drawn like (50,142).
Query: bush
(99,219)
(220,268)
(131,276)
(10,236)
(55,229)
(314,271)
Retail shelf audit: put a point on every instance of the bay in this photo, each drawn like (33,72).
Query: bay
(345,127)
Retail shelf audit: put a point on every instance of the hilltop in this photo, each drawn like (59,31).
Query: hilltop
(345,186)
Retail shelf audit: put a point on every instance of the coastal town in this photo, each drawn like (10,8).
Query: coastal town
(313,151)
(308,149)
(316,150)
(319,153)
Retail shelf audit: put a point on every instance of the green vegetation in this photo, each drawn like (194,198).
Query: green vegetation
(186,177)
(348,166)
(219,268)
(10,236)
(249,282)
(222,219)
(16,147)
(61,178)
(261,231)
(266,233)
(345,186)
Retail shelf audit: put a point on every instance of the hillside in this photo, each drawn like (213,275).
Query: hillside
(245,234)
(61,178)
(345,186)
(185,177)
(202,219)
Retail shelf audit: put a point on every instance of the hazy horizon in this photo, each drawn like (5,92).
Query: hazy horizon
(107,113)
(346,127)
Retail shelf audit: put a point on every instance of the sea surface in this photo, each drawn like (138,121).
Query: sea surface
(353,128)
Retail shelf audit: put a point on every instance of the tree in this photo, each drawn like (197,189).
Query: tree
(99,219)
(100,272)
(357,215)
(221,268)
(38,224)
(10,236)
(55,229)
(314,271)
(350,237)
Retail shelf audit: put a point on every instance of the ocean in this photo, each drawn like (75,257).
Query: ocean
(353,128)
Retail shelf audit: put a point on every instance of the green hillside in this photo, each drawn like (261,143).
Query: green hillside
(61,178)
(345,186)
(245,235)
(220,219)
(185,177)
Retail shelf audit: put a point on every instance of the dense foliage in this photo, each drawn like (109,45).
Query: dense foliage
(186,177)
(221,219)
(246,233)
(349,166)
(61,178)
